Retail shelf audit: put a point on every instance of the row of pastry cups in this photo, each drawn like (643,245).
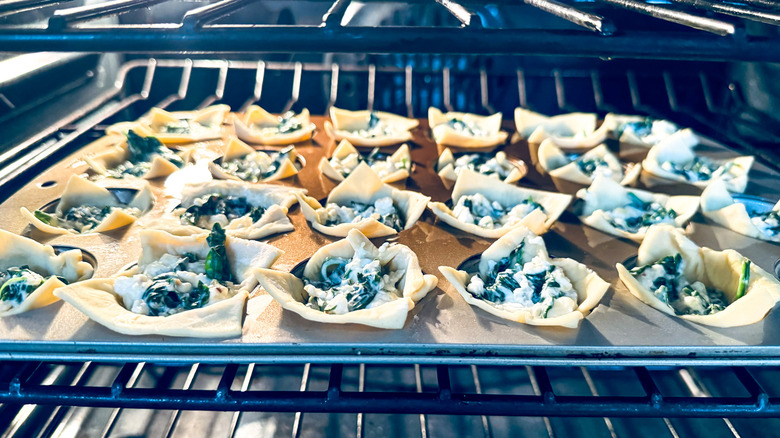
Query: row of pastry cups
(678,147)
(250,264)
(569,131)
(365,186)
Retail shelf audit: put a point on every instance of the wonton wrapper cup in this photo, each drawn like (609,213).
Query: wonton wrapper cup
(116,153)
(214,115)
(679,148)
(444,134)
(508,195)
(562,169)
(275,199)
(342,122)
(97,299)
(17,251)
(609,195)
(573,131)
(589,286)
(718,269)
(445,167)
(345,149)
(256,116)
(364,186)
(287,289)
(237,149)
(718,206)
(82,192)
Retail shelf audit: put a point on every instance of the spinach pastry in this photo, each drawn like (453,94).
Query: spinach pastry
(193,286)
(241,162)
(517,280)
(363,202)
(369,128)
(30,272)
(86,207)
(258,126)
(465,130)
(353,281)
(701,285)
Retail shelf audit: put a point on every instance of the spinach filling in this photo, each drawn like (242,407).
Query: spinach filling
(375,128)
(141,152)
(383,210)
(642,128)
(589,166)
(768,223)
(484,163)
(254,171)
(83,218)
(534,285)
(232,207)
(16,284)
(461,127)
(172,292)
(478,210)
(665,280)
(288,123)
(348,285)
(698,169)
(185,126)
(639,214)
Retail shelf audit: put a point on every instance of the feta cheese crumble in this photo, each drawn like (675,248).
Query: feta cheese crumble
(383,210)
(256,166)
(478,210)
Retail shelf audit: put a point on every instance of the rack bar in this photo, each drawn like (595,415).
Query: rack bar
(733,10)
(702,23)
(65,17)
(15,6)
(592,22)
(303,39)
(199,16)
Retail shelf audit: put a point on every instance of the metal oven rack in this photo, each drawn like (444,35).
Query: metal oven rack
(689,29)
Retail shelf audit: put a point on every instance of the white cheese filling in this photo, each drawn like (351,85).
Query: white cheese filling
(768,224)
(383,210)
(496,167)
(181,285)
(478,210)
(361,282)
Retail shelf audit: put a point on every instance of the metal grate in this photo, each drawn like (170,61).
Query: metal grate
(487,396)
(671,29)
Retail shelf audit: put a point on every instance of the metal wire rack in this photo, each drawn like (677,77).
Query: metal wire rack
(488,396)
(672,29)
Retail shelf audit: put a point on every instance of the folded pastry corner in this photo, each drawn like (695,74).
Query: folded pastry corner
(86,207)
(30,272)
(489,208)
(639,130)
(614,209)
(241,162)
(466,130)
(194,286)
(389,167)
(698,284)
(517,280)
(369,128)
(718,205)
(362,201)
(261,127)
(583,169)
(353,281)
(674,159)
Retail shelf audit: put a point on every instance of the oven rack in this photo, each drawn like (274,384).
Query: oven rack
(672,29)
(487,394)
(695,98)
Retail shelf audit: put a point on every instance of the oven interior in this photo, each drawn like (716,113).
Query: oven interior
(713,73)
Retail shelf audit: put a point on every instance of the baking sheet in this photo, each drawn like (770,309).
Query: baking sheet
(442,328)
